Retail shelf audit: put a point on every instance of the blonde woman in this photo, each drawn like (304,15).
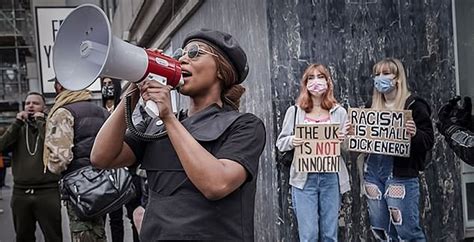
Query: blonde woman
(316,196)
(391,183)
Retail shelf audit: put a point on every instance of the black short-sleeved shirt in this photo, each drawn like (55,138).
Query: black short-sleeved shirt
(180,210)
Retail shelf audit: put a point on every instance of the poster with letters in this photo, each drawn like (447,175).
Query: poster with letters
(321,149)
(48,22)
(379,132)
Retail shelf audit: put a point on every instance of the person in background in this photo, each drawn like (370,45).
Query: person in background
(35,196)
(391,183)
(3,169)
(207,164)
(316,196)
(71,128)
(111,91)
(139,211)
(139,114)
(108,102)
(456,124)
(5,161)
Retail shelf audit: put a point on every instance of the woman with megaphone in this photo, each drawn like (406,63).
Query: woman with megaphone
(202,174)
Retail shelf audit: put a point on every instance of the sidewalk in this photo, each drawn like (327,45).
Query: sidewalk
(7,232)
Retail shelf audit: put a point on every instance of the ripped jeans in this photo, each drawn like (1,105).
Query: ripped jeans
(393,201)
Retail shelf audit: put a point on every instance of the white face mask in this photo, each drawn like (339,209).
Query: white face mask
(317,85)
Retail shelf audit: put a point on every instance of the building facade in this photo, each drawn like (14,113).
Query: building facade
(17,50)
(432,38)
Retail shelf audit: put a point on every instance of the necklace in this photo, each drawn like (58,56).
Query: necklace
(32,153)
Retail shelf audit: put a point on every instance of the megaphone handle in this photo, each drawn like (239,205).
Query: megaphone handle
(152,109)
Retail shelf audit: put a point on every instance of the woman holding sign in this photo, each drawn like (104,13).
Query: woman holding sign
(316,195)
(391,182)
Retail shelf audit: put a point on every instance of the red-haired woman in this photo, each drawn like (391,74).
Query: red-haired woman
(316,196)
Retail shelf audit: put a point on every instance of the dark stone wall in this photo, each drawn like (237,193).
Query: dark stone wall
(349,37)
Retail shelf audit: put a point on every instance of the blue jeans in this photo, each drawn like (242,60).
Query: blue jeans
(317,207)
(393,201)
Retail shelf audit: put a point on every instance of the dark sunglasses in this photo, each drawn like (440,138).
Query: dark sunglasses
(193,51)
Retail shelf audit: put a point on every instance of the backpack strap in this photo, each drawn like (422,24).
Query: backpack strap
(294,120)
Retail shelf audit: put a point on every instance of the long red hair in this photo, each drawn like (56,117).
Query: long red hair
(304,100)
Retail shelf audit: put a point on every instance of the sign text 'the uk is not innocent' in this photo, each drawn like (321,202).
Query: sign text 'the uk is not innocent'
(321,149)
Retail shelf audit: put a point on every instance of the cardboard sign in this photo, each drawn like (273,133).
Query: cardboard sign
(321,149)
(380,132)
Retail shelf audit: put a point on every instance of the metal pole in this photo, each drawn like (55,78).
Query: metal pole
(3,85)
(17,55)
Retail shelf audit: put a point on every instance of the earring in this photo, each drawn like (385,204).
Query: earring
(219,75)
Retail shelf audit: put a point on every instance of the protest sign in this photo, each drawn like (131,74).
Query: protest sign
(380,132)
(321,149)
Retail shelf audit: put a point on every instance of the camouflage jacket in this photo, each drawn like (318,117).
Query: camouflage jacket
(59,140)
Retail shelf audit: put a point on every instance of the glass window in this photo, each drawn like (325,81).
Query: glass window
(470,201)
(465,45)
(464,36)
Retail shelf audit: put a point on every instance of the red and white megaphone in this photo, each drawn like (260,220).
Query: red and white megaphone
(85,49)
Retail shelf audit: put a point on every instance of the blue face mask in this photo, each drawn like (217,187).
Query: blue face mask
(383,84)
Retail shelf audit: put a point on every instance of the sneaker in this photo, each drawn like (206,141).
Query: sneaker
(1,211)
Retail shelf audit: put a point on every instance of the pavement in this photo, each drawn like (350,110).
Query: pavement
(7,232)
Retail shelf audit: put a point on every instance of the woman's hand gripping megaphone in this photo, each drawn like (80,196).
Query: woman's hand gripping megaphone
(156,95)
(165,76)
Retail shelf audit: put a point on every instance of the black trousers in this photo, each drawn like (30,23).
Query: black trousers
(116,217)
(3,171)
(116,225)
(36,205)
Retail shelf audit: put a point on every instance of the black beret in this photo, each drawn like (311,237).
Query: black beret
(226,45)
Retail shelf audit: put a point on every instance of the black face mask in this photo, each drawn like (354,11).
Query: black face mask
(108,92)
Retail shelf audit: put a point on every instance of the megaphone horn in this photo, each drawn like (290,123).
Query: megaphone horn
(85,49)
